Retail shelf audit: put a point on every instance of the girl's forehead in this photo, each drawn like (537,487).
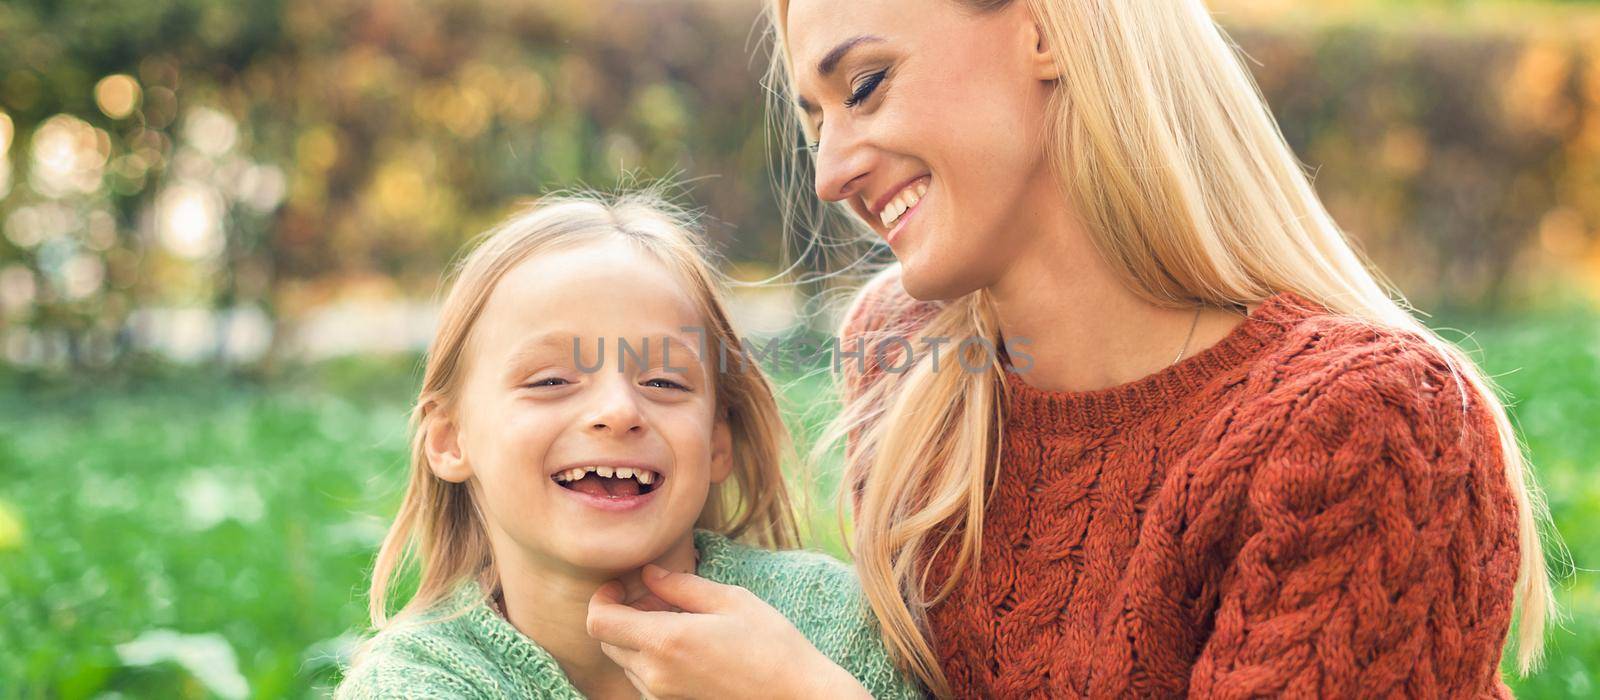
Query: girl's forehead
(588,295)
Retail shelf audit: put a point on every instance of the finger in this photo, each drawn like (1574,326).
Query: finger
(628,660)
(690,592)
(615,623)
(625,658)
(610,592)
(638,685)
(652,602)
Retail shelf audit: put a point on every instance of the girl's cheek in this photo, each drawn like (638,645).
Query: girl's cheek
(527,426)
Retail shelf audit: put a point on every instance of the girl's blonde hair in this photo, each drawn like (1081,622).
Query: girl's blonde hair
(439,528)
(1167,151)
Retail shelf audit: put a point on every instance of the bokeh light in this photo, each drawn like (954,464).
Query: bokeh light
(210,131)
(7,131)
(81,276)
(262,187)
(189,220)
(69,156)
(31,226)
(117,95)
(17,288)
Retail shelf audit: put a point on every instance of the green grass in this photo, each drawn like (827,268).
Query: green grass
(213,507)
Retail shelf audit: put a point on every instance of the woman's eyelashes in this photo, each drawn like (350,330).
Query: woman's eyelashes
(865,88)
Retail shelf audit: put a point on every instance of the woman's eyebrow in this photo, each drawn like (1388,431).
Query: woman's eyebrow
(826,66)
(830,62)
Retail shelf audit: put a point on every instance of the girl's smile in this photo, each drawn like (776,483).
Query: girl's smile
(611,486)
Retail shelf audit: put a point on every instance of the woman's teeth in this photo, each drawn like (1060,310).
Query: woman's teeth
(907,199)
(644,476)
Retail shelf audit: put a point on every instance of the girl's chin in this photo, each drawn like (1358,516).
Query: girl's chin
(611,552)
(609,559)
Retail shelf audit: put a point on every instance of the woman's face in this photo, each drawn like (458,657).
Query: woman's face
(929,104)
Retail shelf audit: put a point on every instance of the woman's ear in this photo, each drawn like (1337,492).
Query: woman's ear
(721,448)
(1042,58)
(441,443)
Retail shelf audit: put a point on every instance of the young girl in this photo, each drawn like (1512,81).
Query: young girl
(585,413)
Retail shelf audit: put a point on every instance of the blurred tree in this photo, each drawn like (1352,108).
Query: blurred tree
(256,159)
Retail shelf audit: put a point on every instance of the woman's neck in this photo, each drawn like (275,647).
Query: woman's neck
(1085,330)
(550,604)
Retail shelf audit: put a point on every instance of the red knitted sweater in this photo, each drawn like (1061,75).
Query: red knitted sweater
(1301,509)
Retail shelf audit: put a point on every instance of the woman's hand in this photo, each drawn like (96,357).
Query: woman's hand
(727,643)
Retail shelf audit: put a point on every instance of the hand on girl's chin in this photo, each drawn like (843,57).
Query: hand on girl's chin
(648,602)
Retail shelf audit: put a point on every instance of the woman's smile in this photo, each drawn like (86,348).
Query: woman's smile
(894,209)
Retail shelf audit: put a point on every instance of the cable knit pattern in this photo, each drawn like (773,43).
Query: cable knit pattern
(1303,509)
(464,649)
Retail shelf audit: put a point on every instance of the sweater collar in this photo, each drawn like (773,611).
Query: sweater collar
(1038,410)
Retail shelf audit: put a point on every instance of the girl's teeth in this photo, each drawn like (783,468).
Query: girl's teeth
(644,476)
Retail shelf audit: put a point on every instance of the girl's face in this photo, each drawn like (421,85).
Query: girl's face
(544,430)
(937,106)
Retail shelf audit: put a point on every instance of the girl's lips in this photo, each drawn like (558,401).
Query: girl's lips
(613,504)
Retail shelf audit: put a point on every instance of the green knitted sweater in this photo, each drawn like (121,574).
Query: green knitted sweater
(479,654)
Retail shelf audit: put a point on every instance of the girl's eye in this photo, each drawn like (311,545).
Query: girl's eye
(669,384)
(546,382)
(866,88)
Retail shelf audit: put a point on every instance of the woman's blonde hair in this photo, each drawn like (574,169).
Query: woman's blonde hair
(1167,151)
(439,529)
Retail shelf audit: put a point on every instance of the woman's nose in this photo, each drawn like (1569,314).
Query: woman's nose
(843,162)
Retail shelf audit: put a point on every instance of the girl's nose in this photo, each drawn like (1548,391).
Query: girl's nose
(616,409)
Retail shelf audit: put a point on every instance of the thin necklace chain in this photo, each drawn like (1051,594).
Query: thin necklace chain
(1186,341)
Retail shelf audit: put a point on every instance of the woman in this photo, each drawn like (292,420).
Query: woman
(1231,464)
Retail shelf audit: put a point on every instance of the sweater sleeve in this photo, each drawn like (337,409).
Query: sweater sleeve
(1382,553)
